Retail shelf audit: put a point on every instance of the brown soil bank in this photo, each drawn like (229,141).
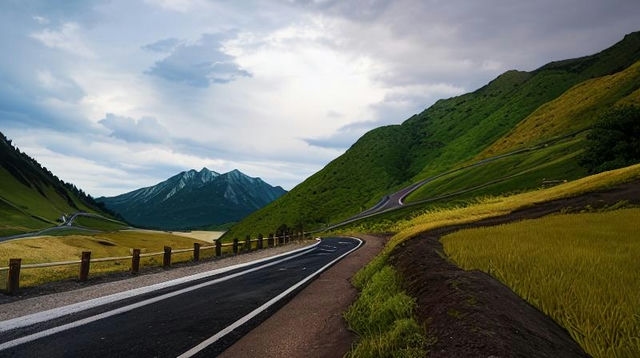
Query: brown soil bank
(473,315)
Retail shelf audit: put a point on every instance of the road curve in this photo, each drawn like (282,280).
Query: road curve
(197,318)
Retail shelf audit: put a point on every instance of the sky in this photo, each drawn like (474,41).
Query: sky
(117,95)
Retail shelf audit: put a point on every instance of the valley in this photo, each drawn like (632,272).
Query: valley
(511,216)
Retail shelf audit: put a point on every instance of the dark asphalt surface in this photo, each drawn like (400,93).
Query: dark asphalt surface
(174,325)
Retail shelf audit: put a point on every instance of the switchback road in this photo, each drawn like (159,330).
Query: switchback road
(199,317)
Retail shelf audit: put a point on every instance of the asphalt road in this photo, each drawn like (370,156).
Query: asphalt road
(197,318)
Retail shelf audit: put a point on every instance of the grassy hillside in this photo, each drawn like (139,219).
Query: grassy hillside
(446,135)
(575,110)
(31,197)
(500,254)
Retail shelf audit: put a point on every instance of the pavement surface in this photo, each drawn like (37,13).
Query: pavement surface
(311,324)
(173,325)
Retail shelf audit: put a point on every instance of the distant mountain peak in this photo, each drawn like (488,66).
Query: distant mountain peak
(195,198)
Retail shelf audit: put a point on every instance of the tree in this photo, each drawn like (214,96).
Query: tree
(614,141)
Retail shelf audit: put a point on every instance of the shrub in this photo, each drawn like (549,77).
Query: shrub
(613,142)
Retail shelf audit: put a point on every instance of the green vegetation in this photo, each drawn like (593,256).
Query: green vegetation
(575,110)
(557,100)
(581,270)
(31,197)
(496,206)
(613,142)
(523,171)
(382,316)
(99,223)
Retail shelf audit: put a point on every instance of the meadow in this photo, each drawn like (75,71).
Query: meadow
(48,249)
(579,269)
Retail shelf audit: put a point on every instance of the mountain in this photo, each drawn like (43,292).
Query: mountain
(193,199)
(457,131)
(31,197)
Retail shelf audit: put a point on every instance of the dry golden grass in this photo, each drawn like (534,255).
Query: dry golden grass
(581,270)
(496,206)
(575,110)
(48,249)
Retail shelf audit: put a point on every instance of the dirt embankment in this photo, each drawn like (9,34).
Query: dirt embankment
(473,315)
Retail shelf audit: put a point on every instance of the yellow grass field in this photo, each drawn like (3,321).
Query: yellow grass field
(582,270)
(47,249)
(208,236)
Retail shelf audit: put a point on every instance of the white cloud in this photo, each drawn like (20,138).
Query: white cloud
(182,6)
(41,20)
(145,129)
(321,74)
(68,38)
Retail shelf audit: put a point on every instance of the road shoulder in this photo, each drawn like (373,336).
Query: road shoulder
(311,324)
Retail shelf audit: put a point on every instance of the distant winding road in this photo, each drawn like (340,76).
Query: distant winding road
(395,200)
(199,317)
(62,226)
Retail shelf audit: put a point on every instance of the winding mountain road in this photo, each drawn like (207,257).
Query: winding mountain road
(197,316)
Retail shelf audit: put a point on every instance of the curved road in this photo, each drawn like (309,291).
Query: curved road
(395,200)
(200,317)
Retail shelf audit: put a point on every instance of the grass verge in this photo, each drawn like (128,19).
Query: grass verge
(382,316)
(580,269)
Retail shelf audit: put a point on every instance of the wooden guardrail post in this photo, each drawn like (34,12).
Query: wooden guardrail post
(196,252)
(247,243)
(135,261)
(84,265)
(260,238)
(13,279)
(166,259)
(235,245)
(218,248)
(270,242)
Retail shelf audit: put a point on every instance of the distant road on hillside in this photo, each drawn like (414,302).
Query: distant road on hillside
(395,200)
(199,318)
(68,224)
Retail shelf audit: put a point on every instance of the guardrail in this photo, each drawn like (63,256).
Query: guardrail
(237,247)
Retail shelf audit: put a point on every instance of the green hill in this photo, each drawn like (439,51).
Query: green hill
(456,131)
(31,197)
(575,111)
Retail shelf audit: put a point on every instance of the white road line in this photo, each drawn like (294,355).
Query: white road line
(204,344)
(54,313)
(131,307)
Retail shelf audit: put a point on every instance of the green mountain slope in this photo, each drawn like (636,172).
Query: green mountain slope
(31,197)
(574,111)
(444,136)
(193,199)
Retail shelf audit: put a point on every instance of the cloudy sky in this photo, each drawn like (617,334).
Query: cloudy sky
(121,94)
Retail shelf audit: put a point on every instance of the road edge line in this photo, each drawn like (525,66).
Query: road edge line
(209,341)
(43,316)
